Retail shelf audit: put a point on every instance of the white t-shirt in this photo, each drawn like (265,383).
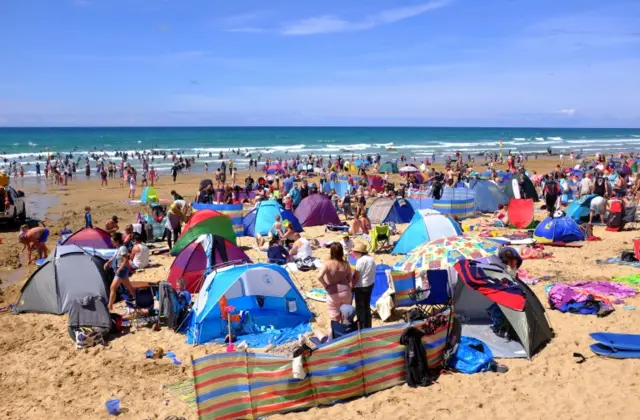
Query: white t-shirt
(585,186)
(366,268)
(304,250)
(141,259)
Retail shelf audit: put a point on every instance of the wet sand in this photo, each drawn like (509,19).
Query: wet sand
(44,376)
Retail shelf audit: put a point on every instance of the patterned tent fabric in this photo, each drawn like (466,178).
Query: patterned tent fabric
(445,252)
(249,385)
(232,211)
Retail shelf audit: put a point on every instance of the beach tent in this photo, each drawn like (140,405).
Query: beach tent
(191,263)
(68,274)
(521,186)
(385,210)
(559,230)
(203,222)
(232,211)
(274,169)
(459,203)
(425,226)
(579,209)
(480,286)
(389,167)
(261,219)
(265,291)
(520,212)
(317,210)
(90,238)
(149,196)
(376,182)
(340,187)
(488,196)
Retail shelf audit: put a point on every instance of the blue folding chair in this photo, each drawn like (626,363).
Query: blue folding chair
(437,296)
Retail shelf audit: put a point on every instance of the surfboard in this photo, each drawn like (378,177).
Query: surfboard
(618,341)
(605,351)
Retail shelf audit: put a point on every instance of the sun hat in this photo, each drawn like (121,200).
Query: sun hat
(360,248)
(345,234)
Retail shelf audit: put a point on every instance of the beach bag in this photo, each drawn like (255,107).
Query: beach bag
(306,265)
(472,356)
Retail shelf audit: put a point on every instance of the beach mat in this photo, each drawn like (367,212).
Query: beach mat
(628,342)
(605,351)
(184,391)
(618,261)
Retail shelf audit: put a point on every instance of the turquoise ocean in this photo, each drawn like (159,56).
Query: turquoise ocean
(28,145)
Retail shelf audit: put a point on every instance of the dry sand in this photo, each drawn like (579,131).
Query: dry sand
(44,376)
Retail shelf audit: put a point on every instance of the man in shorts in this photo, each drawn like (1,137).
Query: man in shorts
(598,204)
(34,238)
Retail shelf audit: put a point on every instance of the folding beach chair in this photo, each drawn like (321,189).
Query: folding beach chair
(380,238)
(141,308)
(630,217)
(433,294)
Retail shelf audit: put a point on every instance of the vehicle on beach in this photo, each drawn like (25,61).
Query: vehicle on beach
(12,205)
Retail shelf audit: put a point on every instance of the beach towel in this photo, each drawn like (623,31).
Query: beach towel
(617,260)
(632,279)
(588,298)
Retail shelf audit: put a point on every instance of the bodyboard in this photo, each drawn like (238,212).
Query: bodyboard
(618,341)
(319,295)
(605,351)
(520,212)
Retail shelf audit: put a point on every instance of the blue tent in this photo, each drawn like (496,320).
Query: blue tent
(427,225)
(261,219)
(385,210)
(266,291)
(339,187)
(579,209)
(389,167)
(558,230)
(489,196)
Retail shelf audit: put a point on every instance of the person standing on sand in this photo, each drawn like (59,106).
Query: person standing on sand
(35,237)
(153,176)
(363,279)
(132,187)
(120,265)
(174,173)
(335,276)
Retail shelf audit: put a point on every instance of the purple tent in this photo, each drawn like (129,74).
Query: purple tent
(316,210)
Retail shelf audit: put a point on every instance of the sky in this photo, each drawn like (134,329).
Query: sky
(559,63)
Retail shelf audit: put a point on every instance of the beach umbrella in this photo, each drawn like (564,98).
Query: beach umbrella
(445,252)
(201,223)
(408,169)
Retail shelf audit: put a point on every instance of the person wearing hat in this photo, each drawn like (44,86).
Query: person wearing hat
(111,226)
(173,227)
(363,279)
(346,242)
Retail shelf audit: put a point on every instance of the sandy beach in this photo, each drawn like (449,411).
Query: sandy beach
(44,376)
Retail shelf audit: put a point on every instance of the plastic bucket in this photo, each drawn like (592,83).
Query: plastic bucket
(113,407)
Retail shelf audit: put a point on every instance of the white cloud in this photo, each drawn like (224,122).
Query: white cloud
(332,24)
(567,111)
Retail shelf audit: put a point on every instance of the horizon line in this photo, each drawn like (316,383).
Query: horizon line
(313,126)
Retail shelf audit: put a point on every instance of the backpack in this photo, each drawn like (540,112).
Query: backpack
(415,358)
(551,188)
(599,187)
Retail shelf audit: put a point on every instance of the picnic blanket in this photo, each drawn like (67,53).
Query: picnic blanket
(617,260)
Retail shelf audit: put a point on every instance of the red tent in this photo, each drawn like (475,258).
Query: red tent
(191,263)
(90,237)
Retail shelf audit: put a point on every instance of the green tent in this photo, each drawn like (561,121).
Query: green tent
(389,167)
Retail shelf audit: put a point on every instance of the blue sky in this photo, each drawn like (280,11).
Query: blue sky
(329,62)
